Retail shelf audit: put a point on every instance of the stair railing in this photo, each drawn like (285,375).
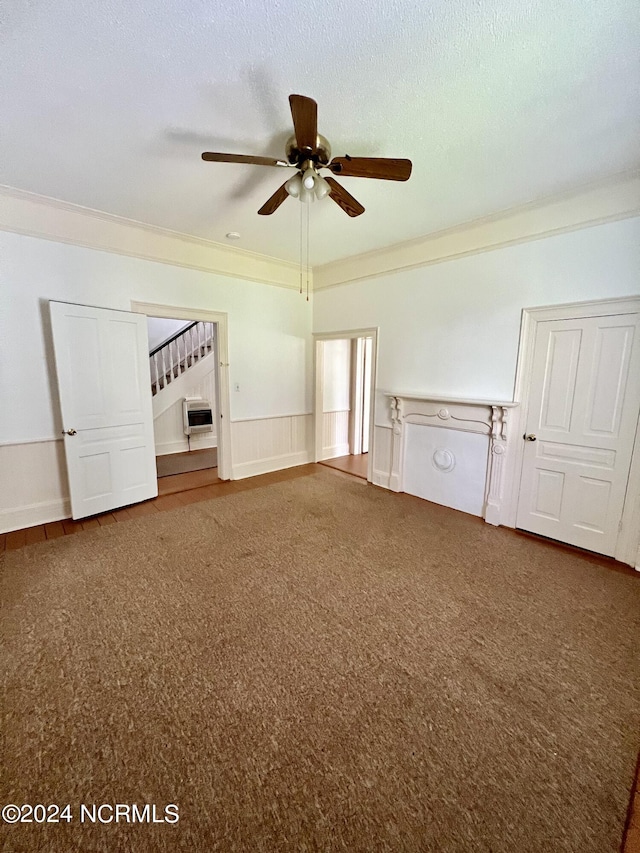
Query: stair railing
(177,354)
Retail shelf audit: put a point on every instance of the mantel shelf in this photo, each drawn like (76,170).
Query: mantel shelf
(438,398)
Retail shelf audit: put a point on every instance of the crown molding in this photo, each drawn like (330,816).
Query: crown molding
(36,215)
(615,198)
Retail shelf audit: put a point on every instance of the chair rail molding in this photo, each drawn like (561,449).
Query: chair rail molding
(488,418)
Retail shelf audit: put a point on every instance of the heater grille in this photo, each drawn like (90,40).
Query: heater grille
(198,416)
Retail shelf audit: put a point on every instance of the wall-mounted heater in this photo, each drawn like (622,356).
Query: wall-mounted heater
(198,416)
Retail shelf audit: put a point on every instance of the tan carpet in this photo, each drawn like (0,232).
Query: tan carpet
(319,665)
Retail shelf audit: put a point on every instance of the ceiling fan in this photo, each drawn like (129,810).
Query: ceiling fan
(308,152)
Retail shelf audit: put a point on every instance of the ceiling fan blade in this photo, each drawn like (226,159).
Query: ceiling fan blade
(344,199)
(213,157)
(304,112)
(273,203)
(383,168)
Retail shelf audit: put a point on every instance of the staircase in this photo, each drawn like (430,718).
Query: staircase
(173,357)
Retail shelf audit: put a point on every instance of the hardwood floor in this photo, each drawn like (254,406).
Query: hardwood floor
(181,463)
(175,491)
(190,480)
(355,464)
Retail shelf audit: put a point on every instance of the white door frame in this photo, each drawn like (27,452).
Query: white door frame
(356,395)
(173,312)
(628,544)
(318,365)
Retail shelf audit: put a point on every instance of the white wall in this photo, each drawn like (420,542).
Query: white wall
(161,329)
(269,352)
(453,328)
(168,425)
(269,327)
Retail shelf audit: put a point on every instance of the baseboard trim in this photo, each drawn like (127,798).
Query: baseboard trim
(380,478)
(266,466)
(335,451)
(34,514)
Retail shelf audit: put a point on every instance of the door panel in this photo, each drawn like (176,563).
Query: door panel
(592,504)
(609,380)
(548,494)
(102,364)
(584,400)
(564,348)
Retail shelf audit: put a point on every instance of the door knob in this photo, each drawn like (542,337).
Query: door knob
(530,437)
(69,432)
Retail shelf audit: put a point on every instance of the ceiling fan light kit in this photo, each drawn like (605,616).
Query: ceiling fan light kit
(307,151)
(293,186)
(320,187)
(307,187)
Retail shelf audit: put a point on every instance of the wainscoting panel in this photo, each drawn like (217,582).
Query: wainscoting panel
(261,445)
(335,434)
(34,484)
(34,477)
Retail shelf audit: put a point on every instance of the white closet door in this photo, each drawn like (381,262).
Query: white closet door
(582,417)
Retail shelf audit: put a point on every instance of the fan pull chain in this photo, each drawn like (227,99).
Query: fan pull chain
(304,247)
(301,243)
(308,215)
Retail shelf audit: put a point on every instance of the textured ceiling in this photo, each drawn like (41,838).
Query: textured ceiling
(497,102)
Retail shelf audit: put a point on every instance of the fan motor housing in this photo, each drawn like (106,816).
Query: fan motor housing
(321,154)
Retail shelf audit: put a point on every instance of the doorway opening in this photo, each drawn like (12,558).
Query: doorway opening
(189,388)
(345,382)
(182,360)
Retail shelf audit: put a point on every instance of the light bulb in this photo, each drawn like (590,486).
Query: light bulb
(322,188)
(293,186)
(309,179)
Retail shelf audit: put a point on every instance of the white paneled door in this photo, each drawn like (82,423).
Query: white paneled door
(584,400)
(102,363)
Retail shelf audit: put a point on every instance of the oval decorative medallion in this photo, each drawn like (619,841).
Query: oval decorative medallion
(443,460)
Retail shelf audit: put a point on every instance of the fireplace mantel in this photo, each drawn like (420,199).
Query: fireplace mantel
(488,418)
(438,398)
